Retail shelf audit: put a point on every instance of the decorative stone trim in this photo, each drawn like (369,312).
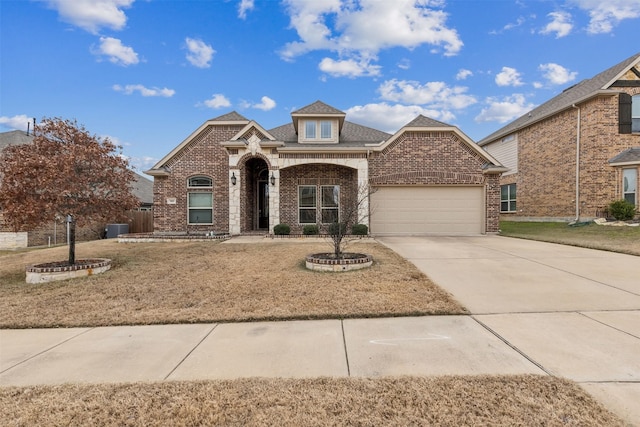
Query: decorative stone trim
(324,262)
(153,238)
(61,270)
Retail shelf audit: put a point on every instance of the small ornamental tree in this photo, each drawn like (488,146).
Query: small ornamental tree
(66,173)
(351,214)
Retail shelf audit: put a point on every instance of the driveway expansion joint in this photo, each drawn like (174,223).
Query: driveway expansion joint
(191,351)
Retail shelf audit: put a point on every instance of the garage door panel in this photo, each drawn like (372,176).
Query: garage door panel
(427,210)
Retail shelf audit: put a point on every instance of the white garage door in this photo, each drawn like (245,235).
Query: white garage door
(427,210)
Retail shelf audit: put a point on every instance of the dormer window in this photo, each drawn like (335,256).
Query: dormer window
(319,131)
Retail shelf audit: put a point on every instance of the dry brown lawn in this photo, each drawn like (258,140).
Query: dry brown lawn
(445,401)
(213,282)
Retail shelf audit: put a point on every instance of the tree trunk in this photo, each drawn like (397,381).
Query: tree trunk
(72,240)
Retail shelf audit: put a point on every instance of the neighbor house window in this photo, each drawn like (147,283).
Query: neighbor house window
(635,114)
(307,204)
(630,185)
(330,203)
(200,208)
(508,198)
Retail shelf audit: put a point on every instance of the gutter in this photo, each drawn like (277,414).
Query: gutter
(578,128)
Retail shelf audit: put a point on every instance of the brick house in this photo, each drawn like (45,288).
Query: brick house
(573,155)
(233,176)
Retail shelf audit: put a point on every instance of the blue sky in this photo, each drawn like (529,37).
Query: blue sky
(147,73)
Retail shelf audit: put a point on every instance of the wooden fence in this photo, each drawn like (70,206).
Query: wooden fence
(140,221)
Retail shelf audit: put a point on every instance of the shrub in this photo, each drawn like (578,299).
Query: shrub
(622,210)
(360,229)
(310,229)
(281,229)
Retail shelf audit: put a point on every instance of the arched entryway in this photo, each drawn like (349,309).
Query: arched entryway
(255,196)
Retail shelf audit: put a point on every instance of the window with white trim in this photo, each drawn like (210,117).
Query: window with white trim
(330,203)
(310,129)
(200,208)
(635,114)
(307,204)
(200,203)
(318,130)
(508,198)
(200,182)
(323,204)
(630,185)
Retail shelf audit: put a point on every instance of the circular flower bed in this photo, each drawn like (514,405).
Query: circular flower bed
(327,261)
(62,270)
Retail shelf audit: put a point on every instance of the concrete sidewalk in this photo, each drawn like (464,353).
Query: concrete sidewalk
(434,345)
(536,308)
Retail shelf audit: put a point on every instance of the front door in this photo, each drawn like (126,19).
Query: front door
(263,204)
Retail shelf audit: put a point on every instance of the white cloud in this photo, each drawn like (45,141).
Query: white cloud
(508,77)
(557,74)
(390,118)
(244,7)
(404,64)
(560,24)
(348,68)
(91,15)
(200,53)
(144,91)
(18,122)
(218,100)
(436,95)
(265,104)
(607,14)
(116,52)
(361,29)
(142,163)
(504,109)
(521,20)
(463,74)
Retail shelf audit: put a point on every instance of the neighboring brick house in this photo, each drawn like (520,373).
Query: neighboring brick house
(233,176)
(573,155)
(55,231)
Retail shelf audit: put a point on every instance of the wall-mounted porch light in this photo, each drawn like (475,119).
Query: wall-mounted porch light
(233,179)
(273,179)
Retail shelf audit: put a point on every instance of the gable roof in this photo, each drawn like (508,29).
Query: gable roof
(142,188)
(233,116)
(423,121)
(580,92)
(14,137)
(318,107)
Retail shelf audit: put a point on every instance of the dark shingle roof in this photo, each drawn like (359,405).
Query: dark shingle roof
(566,99)
(318,107)
(230,117)
(14,137)
(352,135)
(422,121)
(630,155)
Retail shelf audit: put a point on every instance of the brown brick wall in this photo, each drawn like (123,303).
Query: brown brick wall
(313,174)
(203,156)
(547,161)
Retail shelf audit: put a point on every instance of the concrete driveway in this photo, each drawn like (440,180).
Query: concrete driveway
(573,312)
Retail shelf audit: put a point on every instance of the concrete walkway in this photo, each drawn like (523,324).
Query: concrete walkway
(536,308)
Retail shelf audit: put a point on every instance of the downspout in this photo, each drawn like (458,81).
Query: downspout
(577,165)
